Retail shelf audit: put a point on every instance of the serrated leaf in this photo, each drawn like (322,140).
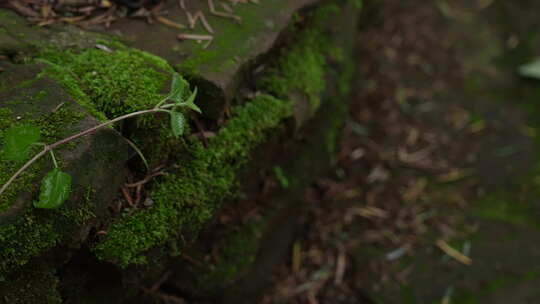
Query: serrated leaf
(55,189)
(177,123)
(531,69)
(190,102)
(18,141)
(178,88)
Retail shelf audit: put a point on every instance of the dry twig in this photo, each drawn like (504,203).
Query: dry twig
(213,10)
(453,252)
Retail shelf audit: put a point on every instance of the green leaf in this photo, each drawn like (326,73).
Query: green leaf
(531,69)
(178,88)
(177,123)
(190,104)
(55,189)
(18,141)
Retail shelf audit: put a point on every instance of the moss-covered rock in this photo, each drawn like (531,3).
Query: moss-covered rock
(300,72)
(26,232)
(113,80)
(33,285)
(235,45)
(21,40)
(186,199)
(117,82)
(239,254)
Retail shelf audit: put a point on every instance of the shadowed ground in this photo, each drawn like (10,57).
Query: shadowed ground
(441,146)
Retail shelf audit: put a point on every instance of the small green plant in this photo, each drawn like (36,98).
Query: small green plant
(56,185)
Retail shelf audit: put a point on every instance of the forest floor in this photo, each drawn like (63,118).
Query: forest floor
(434,196)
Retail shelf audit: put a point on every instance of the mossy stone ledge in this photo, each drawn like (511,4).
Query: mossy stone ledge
(236,46)
(26,232)
(293,59)
(248,250)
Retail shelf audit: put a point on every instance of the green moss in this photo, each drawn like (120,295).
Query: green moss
(235,257)
(111,84)
(7,168)
(186,199)
(40,95)
(27,237)
(52,128)
(70,83)
(334,62)
(230,41)
(115,83)
(356,3)
(190,66)
(281,177)
(345,75)
(26,83)
(34,231)
(125,81)
(302,67)
(118,84)
(31,286)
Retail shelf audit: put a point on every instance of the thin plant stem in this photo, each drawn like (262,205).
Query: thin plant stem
(53,158)
(93,129)
(48,148)
(141,155)
(24,167)
(172,105)
(160,104)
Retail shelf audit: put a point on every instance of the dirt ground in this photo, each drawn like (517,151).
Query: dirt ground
(431,166)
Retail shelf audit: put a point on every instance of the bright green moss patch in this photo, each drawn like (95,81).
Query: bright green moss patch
(111,84)
(186,199)
(8,167)
(301,69)
(115,83)
(28,237)
(71,85)
(37,230)
(119,83)
(302,66)
(28,234)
